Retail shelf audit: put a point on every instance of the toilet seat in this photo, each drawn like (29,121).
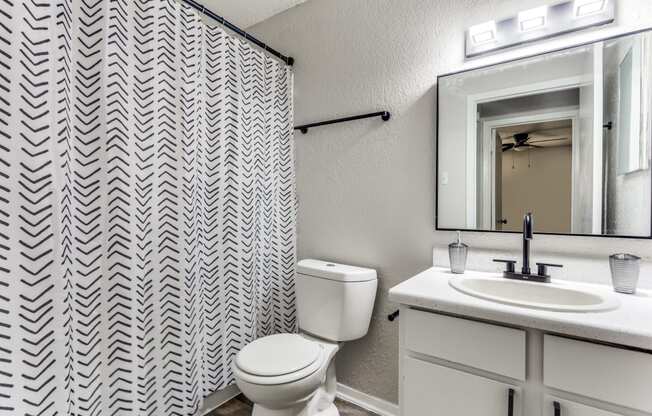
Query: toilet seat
(279,359)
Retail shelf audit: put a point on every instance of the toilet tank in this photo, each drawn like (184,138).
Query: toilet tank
(334,301)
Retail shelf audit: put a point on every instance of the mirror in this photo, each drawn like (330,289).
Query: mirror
(565,135)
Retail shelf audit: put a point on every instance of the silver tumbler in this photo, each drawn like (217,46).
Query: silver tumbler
(624,272)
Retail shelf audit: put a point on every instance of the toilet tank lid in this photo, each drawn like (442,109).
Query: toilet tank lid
(335,271)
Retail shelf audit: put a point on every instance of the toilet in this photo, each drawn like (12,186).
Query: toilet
(294,374)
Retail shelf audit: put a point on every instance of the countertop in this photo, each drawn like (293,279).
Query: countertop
(629,325)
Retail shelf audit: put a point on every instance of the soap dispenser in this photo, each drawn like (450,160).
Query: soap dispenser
(457,252)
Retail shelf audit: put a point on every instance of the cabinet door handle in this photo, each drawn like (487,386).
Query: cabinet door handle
(557,407)
(510,402)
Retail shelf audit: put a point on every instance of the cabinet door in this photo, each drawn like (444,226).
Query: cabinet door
(433,390)
(601,372)
(558,407)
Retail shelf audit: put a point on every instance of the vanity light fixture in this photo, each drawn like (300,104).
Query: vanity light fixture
(583,8)
(538,23)
(533,19)
(483,33)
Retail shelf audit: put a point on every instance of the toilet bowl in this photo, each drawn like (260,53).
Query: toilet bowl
(287,375)
(294,374)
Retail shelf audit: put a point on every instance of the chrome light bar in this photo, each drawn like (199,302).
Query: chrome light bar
(538,23)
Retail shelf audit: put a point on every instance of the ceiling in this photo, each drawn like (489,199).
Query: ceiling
(246,13)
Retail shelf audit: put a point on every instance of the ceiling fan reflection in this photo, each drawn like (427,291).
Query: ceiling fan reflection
(524,141)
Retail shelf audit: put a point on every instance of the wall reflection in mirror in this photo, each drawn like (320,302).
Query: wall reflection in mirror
(564,135)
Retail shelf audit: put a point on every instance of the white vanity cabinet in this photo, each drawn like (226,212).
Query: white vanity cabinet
(452,366)
(455,366)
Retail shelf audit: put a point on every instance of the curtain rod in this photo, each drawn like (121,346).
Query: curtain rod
(198,6)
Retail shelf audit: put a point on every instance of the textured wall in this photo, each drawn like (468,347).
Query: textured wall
(366,189)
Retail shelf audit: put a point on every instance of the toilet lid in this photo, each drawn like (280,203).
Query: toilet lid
(277,355)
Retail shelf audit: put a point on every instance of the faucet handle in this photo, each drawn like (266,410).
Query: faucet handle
(510,264)
(542,268)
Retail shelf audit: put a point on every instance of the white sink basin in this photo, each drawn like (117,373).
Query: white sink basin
(547,296)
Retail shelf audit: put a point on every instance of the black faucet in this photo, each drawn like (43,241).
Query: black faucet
(526,274)
(527,237)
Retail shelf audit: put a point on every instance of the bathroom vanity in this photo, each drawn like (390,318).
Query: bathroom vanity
(517,351)
(554,137)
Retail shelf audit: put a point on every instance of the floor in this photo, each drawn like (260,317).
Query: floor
(240,406)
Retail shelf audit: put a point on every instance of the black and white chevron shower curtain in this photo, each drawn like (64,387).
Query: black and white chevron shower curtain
(147,206)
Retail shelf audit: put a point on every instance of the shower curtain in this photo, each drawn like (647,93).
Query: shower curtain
(147,206)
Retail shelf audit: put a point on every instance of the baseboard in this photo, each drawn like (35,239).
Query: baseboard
(366,401)
(217,399)
(346,393)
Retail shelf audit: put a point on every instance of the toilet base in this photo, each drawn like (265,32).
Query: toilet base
(322,402)
(296,411)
